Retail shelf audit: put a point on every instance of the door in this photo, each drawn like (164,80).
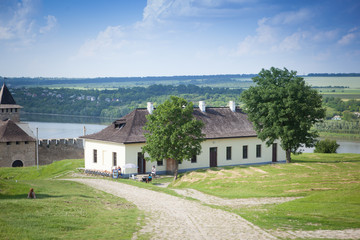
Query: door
(141,163)
(213,157)
(274,152)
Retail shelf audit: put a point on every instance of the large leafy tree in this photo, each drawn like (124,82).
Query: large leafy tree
(282,106)
(172,132)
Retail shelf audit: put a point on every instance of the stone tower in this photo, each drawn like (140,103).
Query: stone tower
(8,107)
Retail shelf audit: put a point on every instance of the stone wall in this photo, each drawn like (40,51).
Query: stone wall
(12,151)
(51,150)
(14,116)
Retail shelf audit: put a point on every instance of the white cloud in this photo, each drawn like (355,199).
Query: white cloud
(20,25)
(325,35)
(106,42)
(292,17)
(292,42)
(347,39)
(51,23)
(161,11)
(5,33)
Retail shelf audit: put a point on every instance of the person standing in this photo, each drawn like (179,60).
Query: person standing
(153,171)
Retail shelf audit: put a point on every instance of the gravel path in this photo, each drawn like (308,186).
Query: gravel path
(170,217)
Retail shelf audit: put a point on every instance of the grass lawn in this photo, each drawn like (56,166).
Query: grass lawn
(328,183)
(62,209)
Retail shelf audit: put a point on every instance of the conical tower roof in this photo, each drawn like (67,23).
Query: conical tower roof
(5,96)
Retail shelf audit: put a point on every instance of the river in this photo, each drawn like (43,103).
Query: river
(54,127)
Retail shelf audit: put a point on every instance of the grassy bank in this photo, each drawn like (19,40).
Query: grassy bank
(62,209)
(329,185)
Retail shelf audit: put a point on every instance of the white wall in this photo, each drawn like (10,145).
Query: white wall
(132,151)
(104,154)
(128,153)
(236,144)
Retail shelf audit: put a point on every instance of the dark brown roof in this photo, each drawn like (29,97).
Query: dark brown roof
(5,96)
(219,123)
(10,132)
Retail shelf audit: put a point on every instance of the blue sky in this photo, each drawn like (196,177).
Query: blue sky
(108,38)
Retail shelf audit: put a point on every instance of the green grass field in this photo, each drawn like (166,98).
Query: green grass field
(62,209)
(329,185)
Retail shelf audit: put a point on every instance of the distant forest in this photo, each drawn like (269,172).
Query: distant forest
(114,103)
(200,79)
(195,80)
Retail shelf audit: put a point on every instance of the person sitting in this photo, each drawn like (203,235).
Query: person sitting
(153,171)
(31,193)
(119,171)
(149,178)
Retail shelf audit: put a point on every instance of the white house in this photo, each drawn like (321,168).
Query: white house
(230,140)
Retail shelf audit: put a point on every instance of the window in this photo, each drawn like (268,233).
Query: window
(114,159)
(15,109)
(228,153)
(245,152)
(8,143)
(17,143)
(194,159)
(95,156)
(258,151)
(26,142)
(160,163)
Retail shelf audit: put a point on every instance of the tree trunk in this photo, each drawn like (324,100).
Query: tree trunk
(176,169)
(288,156)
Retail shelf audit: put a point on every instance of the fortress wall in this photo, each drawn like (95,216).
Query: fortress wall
(17,151)
(51,150)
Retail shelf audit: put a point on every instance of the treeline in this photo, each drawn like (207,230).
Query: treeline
(340,106)
(330,86)
(333,75)
(338,127)
(114,103)
(196,79)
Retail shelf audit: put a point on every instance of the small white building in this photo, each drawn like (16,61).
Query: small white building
(229,140)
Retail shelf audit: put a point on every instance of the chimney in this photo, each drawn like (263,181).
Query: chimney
(150,107)
(202,106)
(232,106)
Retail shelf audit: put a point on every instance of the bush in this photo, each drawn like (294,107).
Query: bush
(326,146)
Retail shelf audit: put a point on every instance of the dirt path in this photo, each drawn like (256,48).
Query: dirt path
(208,199)
(170,217)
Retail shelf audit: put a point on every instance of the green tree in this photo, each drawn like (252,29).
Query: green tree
(172,132)
(281,106)
(349,116)
(326,146)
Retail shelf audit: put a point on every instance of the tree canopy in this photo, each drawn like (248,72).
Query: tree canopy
(172,132)
(281,106)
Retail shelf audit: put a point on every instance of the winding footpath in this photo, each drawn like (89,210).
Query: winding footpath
(170,217)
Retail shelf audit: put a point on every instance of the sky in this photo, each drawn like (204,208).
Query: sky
(122,38)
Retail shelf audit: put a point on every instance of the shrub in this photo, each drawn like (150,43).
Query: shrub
(326,146)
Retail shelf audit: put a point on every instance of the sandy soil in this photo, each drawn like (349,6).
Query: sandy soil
(169,217)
